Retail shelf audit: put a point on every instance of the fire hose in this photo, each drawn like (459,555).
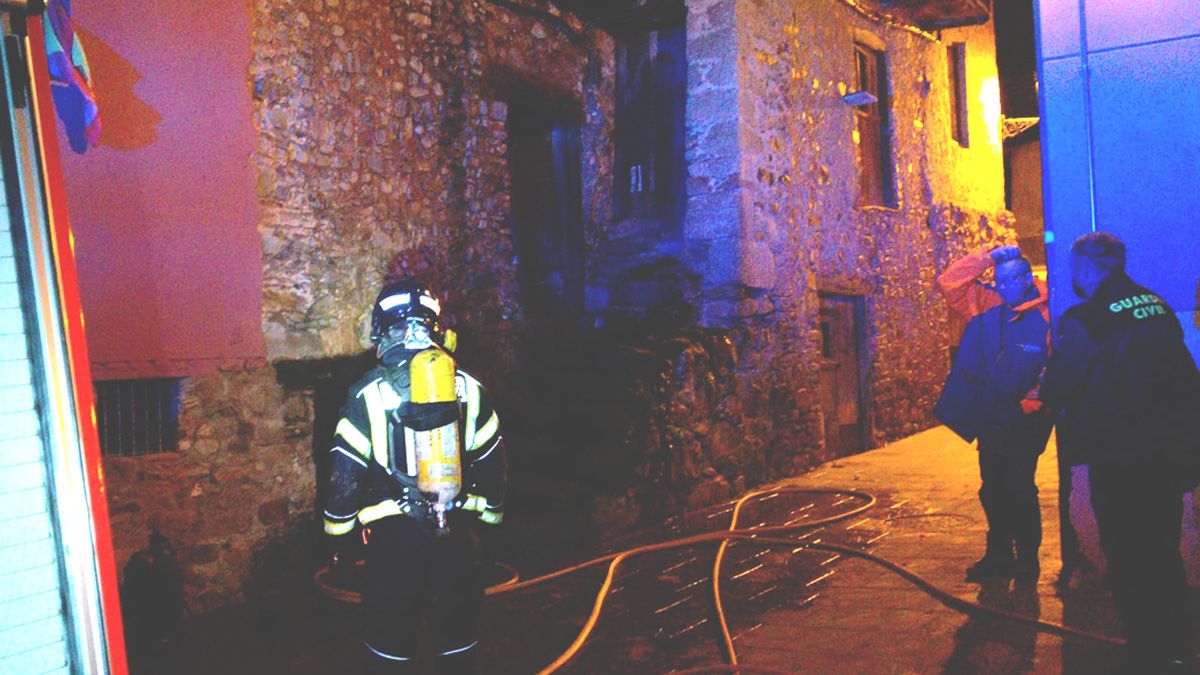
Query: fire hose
(768,536)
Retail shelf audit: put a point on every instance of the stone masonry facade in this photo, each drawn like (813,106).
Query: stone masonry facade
(772,195)
(241,481)
(382,152)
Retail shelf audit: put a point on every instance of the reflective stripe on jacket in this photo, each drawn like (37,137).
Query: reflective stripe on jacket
(357,493)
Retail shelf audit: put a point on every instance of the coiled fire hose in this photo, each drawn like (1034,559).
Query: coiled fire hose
(758,536)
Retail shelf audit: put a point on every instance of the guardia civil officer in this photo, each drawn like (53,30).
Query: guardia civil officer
(1130,388)
(991,395)
(387,474)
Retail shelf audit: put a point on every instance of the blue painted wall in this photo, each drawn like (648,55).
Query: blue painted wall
(1120,122)
(1120,106)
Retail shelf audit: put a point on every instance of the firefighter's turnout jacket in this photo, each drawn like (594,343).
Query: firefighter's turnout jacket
(370,477)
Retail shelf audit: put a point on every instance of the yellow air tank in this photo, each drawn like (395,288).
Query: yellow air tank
(436,448)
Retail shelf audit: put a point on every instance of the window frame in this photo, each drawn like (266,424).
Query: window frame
(873,125)
(956,76)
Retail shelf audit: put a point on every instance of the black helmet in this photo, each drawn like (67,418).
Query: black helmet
(401,301)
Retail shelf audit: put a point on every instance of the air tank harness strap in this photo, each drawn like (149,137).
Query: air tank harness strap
(410,502)
(426,416)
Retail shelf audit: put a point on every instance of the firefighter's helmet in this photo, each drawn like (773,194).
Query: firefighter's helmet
(403,302)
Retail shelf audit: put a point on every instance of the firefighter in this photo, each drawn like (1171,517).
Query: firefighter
(421,560)
(1130,388)
(991,395)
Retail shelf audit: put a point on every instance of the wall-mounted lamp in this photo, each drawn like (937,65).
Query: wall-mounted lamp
(861,97)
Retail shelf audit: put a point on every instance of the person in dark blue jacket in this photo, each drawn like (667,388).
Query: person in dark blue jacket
(1130,388)
(991,395)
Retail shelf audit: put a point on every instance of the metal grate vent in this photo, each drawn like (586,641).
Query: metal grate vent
(138,417)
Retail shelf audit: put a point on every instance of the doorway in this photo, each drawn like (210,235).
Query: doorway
(842,373)
(545,169)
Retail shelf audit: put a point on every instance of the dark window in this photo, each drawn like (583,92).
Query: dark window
(872,122)
(651,175)
(138,417)
(956,61)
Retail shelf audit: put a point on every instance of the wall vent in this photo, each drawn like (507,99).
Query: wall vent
(138,417)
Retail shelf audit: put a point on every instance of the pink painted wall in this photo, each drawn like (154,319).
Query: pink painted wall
(165,211)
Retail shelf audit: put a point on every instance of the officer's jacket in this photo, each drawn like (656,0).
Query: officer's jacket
(1125,380)
(370,437)
(999,361)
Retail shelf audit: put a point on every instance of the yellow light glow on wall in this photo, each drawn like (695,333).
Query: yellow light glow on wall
(989,100)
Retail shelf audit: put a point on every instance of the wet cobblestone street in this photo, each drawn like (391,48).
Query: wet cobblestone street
(790,609)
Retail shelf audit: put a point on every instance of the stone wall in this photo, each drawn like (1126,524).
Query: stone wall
(713,151)
(800,231)
(240,486)
(383,152)
(772,223)
(627,431)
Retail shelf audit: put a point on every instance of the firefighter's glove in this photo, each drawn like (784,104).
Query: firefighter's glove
(1003,254)
(487,513)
